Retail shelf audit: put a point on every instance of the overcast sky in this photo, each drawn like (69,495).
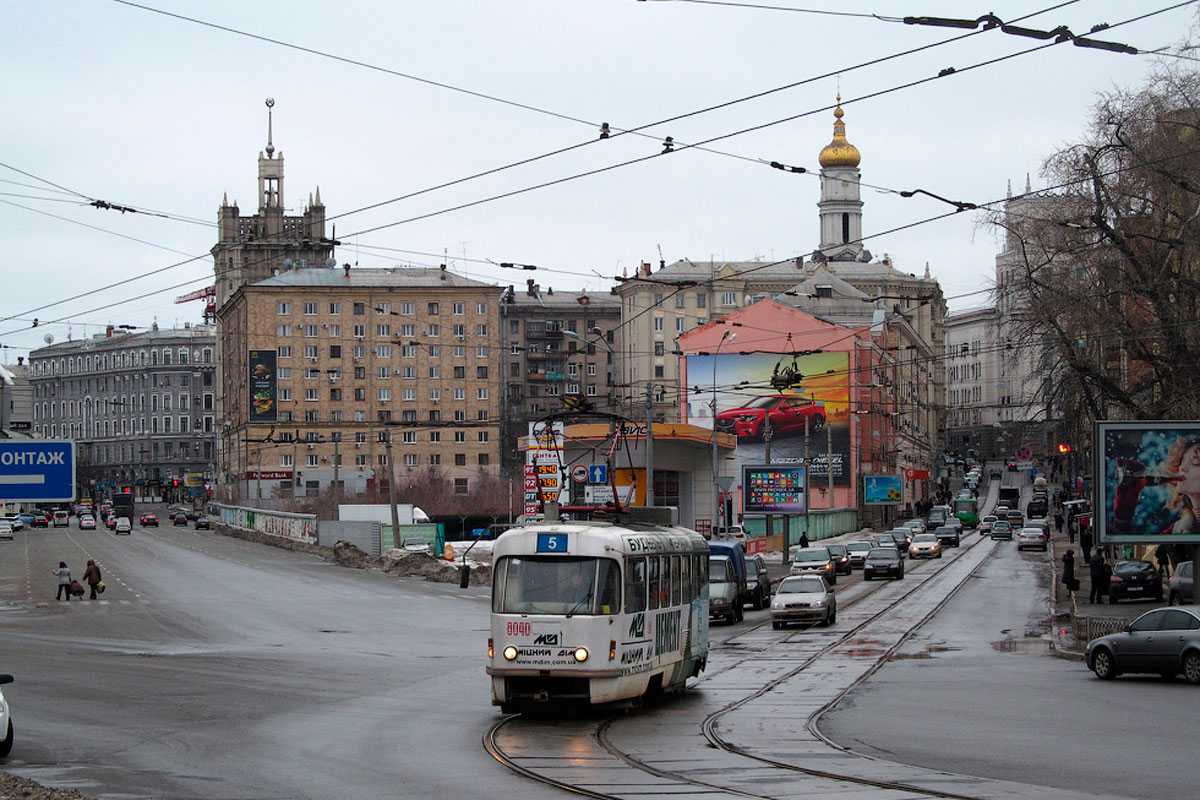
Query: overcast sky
(110,101)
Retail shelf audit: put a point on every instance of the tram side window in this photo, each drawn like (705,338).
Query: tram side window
(701,574)
(635,585)
(652,563)
(685,578)
(676,582)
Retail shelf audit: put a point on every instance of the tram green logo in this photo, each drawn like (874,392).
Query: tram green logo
(637,627)
(546,639)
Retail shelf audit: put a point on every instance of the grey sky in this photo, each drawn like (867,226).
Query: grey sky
(144,110)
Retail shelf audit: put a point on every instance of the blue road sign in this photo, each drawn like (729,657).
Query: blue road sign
(37,470)
(598,473)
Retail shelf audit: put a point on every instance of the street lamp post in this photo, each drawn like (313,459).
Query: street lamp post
(727,336)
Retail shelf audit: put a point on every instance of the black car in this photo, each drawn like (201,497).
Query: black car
(40,521)
(948,535)
(148,521)
(758,582)
(841,558)
(179,518)
(1134,579)
(883,561)
(202,522)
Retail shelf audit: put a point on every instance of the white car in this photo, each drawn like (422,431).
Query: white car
(1032,537)
(6,529)
(16,521)
(415,545)
(123,526)
(5,721)
(925,545)
(985,524)
(803,598)
(731,533)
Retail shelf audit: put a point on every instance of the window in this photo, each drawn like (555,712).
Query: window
(658,298)
(410,459)
(384,395)
(433,330)
(729,298)
(658,324)
(409,437)
(310,309)
(460,330)
(460,373)
(408,329)
(435,459)
(460,459)
(701,300)
(383,373)
(408,309)
(459,309)
(482,436)
(335,331)
(335,351)
(460,393)
(360,331)
(680,324)
(433,309)
(460,437)
(481,351)
(310,331)
(285,394)
(283,307)
(408,395)
(383,330)
(481,393)
(383,351)
(408,351)
(572,370)
(481,309)
(460,486)
(591,369)
(591,390)
(435,351)
(459,351)
(335,395)
(283,330)
(335,309)
(284,351)
(310,416)
(360,309)
(409,373)
(383,308)
(483,459)
(285,459)
(482,415)
(311,460)
(481,330)
(659,348)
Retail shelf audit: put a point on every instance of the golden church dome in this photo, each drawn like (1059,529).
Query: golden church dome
(839,152)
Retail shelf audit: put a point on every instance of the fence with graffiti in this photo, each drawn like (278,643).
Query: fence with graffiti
(297,527)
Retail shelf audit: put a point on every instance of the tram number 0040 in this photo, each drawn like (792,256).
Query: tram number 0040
(519,629)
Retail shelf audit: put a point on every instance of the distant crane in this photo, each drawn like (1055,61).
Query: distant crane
(207,294)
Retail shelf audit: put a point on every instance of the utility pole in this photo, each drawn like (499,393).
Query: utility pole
(392,489)
(650,446)
(829,459)
(295,469)
(767,432)
(336,457)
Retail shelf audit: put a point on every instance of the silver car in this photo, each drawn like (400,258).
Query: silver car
(803,598)
(1165,641)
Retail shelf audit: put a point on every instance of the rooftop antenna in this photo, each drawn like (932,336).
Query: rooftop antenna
(662,262)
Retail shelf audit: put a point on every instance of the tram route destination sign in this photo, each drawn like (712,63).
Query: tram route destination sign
(37,471)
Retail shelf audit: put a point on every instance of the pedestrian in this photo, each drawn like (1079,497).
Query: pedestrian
(1068,576)
(1058,521)
(1085,544)
(64,581)
(1162,554)
(1098,572)
(92,576)
(804,538)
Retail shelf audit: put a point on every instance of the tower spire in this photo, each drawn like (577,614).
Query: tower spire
(270,146)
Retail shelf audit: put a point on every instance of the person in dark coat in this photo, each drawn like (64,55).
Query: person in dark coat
(804,538)
(1162,555)
(1098,569)
(92,576)
(1068,575)
(1058,521)
(1085,544)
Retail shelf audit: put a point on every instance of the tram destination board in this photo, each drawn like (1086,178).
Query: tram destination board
(774,490)
(37,471)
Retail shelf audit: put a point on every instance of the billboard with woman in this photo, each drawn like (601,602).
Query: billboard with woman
(1149,482)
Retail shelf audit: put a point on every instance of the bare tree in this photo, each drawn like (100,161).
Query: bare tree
(1103,281)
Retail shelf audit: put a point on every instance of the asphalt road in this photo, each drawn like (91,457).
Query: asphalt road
(216,668)
(975,692)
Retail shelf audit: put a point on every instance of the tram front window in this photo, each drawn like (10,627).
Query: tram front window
(556,585)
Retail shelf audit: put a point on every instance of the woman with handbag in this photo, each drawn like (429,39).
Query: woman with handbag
(64,581)
(92,576)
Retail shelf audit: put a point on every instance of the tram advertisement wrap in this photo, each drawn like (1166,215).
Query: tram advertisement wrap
(749,407)
(1148,482)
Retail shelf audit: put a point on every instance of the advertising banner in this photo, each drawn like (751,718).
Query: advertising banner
(1148,482)
(774,490)
(748,407)
(882,490)
(262,386)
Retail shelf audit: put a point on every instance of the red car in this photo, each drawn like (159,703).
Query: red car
(784,413)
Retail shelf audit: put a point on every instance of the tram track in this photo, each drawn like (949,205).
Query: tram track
(591,741)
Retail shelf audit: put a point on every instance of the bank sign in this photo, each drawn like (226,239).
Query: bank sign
(37,471)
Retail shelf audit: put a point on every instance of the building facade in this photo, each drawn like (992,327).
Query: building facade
(141,407)
(350,358)
(16,398)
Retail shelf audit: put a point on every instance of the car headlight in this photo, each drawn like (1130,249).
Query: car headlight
(510,653)
(581,654)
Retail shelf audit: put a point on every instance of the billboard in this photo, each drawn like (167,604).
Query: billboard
(774,490)
(37,470)
(262,386)
(748,407)
(1148,482)
(883,490)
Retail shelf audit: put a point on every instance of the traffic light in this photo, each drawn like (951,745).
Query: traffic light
(1064,448)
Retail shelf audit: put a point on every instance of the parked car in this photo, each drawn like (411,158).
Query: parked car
(148,521)
(1033,536)
(1165,640)
(814,560)
(731,533)
(784,414)
(1001,529)
(62,519)
(925,545)
(39,520)
(803,598)
(5,720)
(884,561)
(858,552)
(87,523)
(1179,587)
(1132,579)
(415,544)
(15,520)
(179,518)
(949,536)
(202,523)
(6,529)
(841,558)
(758,581)
(123,525)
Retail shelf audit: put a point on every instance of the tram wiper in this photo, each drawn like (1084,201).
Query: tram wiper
(578,605)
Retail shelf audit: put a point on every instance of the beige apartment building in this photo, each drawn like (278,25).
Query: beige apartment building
(323,365)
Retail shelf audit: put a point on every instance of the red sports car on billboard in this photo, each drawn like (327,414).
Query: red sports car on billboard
(785,414)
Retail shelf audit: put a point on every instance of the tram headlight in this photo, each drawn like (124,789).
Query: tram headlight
(581,654)
(510,653)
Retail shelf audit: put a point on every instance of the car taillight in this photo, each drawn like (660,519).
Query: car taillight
(1115,579)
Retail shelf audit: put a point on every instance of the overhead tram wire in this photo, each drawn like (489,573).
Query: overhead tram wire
(589,173)
(764,7)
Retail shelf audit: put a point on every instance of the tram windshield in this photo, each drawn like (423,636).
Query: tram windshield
(556,585)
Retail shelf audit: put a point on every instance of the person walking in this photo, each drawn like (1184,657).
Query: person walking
(92,576)
(1085,544)
(1162,555)
(64,581)
(1098,572)
(804,538)
(1068,575)
(1058,522)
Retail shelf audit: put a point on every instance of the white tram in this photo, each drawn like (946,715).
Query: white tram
(588,613)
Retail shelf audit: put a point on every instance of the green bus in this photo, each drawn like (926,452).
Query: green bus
(967,510)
